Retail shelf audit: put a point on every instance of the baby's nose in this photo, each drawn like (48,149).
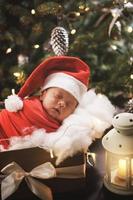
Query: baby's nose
(62,104)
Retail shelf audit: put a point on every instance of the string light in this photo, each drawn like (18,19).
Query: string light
(129,29)
(72,16)
(9,50)
(33,12)
(36,46)
(114,47)
(77,14)
(73,31)
(131,76)
(131,59)
(87,9)
(16,74)
(125,1)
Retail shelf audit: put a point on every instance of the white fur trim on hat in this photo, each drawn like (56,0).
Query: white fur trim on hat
(66,82)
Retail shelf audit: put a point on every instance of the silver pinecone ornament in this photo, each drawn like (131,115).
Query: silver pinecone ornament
(59,41)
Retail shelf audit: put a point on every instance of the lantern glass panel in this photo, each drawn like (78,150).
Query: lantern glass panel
(119,170)
(132,171)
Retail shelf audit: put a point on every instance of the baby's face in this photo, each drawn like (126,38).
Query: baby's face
(58,103)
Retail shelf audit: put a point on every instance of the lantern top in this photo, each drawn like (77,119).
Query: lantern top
(123,123)
(119,140)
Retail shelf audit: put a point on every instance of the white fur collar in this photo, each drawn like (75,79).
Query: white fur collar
(89,121)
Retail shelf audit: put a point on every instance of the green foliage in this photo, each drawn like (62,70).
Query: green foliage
(110,58)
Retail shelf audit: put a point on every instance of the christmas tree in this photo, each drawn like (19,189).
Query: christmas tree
(100,33)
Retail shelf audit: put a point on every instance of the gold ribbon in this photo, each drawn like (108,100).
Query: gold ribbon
(15,175)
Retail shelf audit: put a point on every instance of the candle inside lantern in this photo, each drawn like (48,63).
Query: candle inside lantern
(122,169)
(132,167)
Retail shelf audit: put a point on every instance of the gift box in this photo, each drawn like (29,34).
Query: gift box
(32,174)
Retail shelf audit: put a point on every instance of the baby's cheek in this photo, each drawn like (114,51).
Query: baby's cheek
(71,109)
(53,100)
(68,112)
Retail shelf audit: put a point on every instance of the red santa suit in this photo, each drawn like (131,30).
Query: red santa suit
(25,121)
(22,115)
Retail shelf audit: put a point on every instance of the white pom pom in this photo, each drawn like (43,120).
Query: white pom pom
(13,103)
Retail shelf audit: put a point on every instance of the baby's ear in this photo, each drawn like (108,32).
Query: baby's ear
(42,93)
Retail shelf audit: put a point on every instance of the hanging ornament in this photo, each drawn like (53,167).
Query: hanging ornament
(20,77)
(59,41)
(116,13)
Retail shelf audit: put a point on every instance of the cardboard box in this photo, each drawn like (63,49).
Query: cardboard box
(74,180)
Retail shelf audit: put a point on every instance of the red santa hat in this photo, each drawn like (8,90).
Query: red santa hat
(66,72)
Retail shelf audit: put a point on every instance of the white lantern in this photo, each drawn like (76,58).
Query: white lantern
(118,144)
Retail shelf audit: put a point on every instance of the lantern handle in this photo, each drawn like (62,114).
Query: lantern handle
(91,159)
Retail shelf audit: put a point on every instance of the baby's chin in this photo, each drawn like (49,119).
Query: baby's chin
(55,115)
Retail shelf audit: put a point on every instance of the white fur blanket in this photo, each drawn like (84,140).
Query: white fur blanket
(89,121)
